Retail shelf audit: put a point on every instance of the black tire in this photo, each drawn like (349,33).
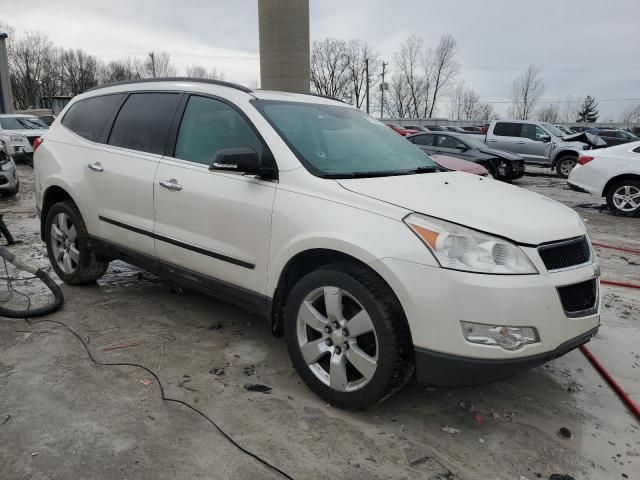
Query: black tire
(634,187)
(492,169)
(565,165)
(90,266)
(394,348)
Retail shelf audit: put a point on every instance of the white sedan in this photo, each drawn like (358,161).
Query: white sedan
(613,173)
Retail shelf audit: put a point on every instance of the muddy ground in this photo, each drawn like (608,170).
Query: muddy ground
(63,417)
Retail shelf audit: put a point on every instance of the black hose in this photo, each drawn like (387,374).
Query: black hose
(58,297)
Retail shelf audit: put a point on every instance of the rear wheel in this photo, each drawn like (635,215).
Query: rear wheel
(69,247)
(347,336)
(565,165)
(623,198)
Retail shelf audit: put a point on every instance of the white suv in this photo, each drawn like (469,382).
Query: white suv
(349,240)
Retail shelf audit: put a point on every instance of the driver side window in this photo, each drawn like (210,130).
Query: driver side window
(209,125)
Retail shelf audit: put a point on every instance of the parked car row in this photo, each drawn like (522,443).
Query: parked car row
(19,132)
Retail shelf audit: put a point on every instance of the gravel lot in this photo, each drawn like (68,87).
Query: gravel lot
(62,416)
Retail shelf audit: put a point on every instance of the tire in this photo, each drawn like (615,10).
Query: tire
(565,165)
(623,198)
(13,191)
(492,169)
(78,262)
(384,354)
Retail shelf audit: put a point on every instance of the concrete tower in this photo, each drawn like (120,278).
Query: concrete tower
(284,45)
(6,99)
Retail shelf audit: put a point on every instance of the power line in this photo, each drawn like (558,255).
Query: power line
(572,101)
(552,68)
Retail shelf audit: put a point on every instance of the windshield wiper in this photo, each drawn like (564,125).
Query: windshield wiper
(381,173)
(424,170)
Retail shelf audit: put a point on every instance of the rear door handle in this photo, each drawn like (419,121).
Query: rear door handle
(171,184)
(96,166)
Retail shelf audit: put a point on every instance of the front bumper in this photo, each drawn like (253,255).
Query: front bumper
(437,368)
(21,153)
(436,300)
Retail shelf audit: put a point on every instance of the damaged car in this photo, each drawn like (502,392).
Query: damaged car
(500,164)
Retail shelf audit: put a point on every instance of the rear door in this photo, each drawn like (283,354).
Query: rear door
(119,175)
(211,225)
(505,136)
(450,145)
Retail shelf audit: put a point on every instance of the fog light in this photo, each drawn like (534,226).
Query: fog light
(509,338)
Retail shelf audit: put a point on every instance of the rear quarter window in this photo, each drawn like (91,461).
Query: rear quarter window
(143,122)
(506,129)
(88,118)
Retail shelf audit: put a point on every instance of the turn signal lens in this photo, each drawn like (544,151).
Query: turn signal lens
(583,159)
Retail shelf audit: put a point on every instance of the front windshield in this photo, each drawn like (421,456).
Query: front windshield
(553,130)
(472,141)
(335,141)
(22,123)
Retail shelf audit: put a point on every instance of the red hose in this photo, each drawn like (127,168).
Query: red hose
(614,247)
(620,284)
(624,396)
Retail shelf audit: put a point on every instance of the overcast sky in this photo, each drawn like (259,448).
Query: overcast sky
(582,46)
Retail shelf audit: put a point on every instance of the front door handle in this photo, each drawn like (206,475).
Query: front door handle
(96,166)
(171,184)
(493,140)
(522,142)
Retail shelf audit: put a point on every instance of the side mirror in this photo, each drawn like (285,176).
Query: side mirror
(545,138)
(244,160)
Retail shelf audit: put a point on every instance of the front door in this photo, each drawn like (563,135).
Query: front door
(215,225)
(533,148)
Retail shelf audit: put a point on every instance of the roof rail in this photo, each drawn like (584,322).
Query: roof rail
(174,79)
(324,96)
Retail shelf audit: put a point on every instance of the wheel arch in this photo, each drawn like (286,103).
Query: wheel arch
(562,154)
(616,179)
(299,265)
(52,195)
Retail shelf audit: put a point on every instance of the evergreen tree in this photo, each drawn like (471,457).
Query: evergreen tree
(588,111)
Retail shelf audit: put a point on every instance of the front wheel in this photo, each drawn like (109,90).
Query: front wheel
(347,336)
(69,247)
(623,198)
(565,165)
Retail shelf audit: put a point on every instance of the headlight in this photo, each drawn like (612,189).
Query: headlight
(461,248)
(16,137)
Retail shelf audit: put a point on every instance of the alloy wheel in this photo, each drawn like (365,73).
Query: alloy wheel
(567,166)
(64,243)
(337,339)
(627,198)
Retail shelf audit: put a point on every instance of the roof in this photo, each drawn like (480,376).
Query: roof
(16,115)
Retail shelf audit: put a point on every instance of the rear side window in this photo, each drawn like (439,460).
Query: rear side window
(143,122)
(209,125)
(423,140)
(505,129)
(88,118)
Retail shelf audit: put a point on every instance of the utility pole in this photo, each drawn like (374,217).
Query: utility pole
(153,64)
(384,66)
(366,72)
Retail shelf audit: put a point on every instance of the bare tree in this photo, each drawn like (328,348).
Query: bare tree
(79,71)
(330,68)
(358,55)
(467,105)
(124,69)
(569,110)
(398,98)
(444,68)
(161,65)
(549,113)
(198,71)
(527,89)
(27,57)
(631,114)
(411,80)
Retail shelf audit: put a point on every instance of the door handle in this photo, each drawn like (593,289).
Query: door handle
(171,184)
(493,140)
(96,166)
(522,142)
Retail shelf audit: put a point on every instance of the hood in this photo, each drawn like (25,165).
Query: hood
(477,202)
(501,154)
(584,137)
